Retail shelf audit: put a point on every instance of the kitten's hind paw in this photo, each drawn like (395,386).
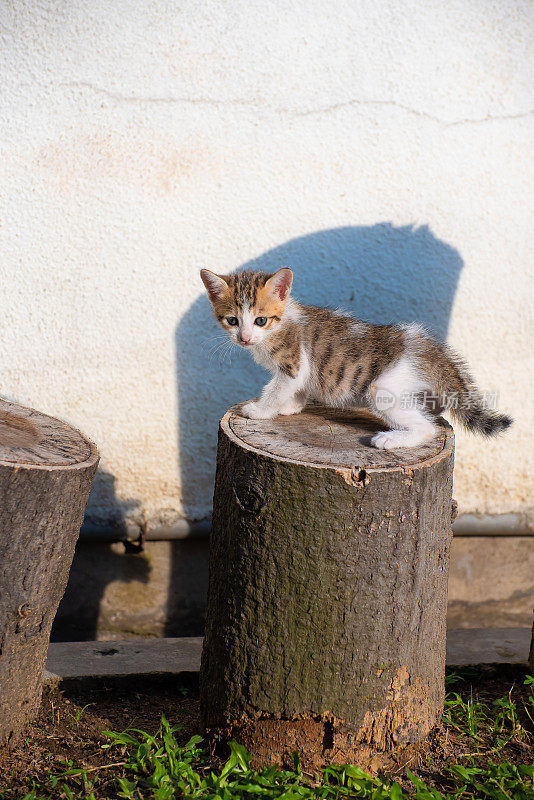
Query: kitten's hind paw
(389,440)
(256,411)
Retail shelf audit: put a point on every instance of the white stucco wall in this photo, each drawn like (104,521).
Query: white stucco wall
(382,149)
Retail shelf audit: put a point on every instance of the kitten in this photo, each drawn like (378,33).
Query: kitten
(400,372)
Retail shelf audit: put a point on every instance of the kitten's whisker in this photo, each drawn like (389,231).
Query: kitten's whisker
(221,350)
(217,346)
(226,353)
(216,336)
(214,355)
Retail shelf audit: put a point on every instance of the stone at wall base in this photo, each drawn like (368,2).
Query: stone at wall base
(172,656)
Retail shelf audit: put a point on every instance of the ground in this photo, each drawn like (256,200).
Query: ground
(488,721)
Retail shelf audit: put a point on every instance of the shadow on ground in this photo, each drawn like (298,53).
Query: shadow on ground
(97,564)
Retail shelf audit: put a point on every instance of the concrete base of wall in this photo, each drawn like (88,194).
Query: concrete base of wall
(113,595)
(491,582)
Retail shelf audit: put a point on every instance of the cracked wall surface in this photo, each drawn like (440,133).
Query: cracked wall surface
(381,149)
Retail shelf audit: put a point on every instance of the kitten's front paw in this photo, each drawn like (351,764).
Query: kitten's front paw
(292,407)
(256,411)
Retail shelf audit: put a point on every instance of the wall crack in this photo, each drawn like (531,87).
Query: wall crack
(292,111)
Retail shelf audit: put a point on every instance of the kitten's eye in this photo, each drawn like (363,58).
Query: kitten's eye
(232,321)
(261,321)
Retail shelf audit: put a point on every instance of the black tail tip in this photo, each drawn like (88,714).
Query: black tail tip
(506,421)
(487,423)
(497,423)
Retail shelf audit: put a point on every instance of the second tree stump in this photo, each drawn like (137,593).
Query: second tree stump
(46,472)
(325,630)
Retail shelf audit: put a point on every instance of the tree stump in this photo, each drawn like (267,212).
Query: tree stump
(531,653)
(46,472)
(325,629)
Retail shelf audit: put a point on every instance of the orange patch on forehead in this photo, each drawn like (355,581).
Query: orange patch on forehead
(268,305)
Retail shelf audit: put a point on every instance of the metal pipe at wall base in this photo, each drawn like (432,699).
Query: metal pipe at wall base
(131,532)
(493,525)
(464,525)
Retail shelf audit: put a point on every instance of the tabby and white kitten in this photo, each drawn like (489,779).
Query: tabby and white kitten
(328,356)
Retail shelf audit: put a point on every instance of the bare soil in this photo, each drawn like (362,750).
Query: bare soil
(73,716)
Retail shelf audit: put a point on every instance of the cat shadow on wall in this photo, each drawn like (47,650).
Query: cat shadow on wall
(378,273)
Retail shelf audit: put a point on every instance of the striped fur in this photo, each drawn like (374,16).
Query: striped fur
(328,356)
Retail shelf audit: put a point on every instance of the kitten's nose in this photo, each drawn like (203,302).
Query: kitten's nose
(244,337)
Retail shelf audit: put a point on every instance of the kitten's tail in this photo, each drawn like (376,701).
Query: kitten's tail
(462,397)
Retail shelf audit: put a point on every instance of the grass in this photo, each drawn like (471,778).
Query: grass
(78,713)
(142,766)
(477,720)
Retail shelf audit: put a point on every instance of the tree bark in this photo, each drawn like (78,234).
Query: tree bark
(46,472)
(325,629)
(531,653)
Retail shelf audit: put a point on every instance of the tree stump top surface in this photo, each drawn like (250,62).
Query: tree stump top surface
(31,439)
(326,437)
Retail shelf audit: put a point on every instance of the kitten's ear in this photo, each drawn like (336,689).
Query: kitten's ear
(215,285)
(279,284)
